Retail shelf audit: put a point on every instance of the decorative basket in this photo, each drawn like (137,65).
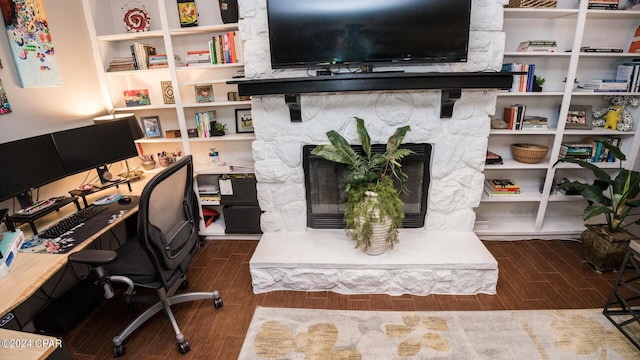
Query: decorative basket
(529,153)
(532,3)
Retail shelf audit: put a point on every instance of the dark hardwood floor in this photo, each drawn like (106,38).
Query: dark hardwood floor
(534,274)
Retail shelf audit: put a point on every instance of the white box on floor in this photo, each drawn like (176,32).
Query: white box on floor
(9,247)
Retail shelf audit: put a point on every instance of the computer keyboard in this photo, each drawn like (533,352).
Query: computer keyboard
(72,221)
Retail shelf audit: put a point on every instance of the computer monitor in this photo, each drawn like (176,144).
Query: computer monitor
(27,164)
(95,146)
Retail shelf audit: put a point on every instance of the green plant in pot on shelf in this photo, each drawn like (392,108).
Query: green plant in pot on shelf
(373,209)
(218,129)
(605,245)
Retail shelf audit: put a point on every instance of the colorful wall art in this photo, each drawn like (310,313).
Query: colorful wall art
(30,41)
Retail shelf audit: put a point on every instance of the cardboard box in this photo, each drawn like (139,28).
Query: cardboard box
(172,134)
(9,247)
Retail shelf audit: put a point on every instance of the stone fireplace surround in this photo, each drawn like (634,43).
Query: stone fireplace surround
(444,257)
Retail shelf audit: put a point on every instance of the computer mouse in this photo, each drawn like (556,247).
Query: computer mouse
(124,200)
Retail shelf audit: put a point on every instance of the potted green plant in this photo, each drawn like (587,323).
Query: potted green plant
(373,209)
(218,129)
(538,81)
(605,245)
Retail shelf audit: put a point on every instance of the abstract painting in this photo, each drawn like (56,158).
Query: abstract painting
(30,41)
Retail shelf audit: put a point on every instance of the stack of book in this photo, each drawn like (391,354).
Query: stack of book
(534,122)
(158,61)
(603,4)
(602,49)
(582,151)
(124,63)
(600,153)
(538,46)
(198,57)
(605,85)
(501,187)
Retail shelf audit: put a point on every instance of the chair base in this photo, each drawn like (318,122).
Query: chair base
(623,305)
(164,303)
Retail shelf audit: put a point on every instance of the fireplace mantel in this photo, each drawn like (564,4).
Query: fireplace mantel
(450,83)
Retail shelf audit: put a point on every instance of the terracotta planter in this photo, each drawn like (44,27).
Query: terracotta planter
(605,250)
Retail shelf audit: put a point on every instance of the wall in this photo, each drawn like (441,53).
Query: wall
(42,110)
(460,142)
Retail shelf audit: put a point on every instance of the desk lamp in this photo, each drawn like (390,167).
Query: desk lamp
(136,133)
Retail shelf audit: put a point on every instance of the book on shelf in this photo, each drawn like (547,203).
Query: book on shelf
(538,45)
(493,158)
(581,151)
(534,122)
(501,184)
(634,47)
(223,48)
(603,4)
(514,115)
(629,72)
(242,166)
(604,85)
(204,121)
(140,53)
(601,153)
(602,49)
(521,82)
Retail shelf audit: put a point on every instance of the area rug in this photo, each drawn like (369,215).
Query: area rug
(279,333)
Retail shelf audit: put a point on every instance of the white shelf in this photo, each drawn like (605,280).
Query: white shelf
(109,39)
(533,214)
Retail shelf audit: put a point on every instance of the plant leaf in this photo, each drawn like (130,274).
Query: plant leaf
(364,137)
(591,211)
(599,173)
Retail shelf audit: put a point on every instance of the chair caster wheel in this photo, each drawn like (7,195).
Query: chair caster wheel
(184,285)
(184,347)
(118,350)
(217,301)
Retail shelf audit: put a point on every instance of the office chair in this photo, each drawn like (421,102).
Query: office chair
(623,305)
(167,241)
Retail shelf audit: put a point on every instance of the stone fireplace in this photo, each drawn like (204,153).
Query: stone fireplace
(443,256)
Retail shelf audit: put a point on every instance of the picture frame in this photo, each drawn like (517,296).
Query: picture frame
(138,97)
(204,93)
(151,126)
(167,92)
(244,121)
(579,117)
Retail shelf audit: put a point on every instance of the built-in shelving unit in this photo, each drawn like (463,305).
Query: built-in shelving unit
(538,212)
(109,38)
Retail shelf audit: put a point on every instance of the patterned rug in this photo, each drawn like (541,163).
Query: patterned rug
(279,333)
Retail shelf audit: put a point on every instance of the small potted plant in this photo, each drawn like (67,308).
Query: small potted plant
(373,209)
(605,245)
(218,129)
(538,81)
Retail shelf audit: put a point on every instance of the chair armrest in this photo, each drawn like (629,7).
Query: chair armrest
(94,258)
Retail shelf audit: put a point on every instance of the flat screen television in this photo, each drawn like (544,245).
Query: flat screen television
(321,33)
(95,146)
(27,164)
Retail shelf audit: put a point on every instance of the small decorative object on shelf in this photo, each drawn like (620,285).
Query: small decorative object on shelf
(167,92)
(151,126)
(147,162)
(615,116)
(136,18)
(187,12)
(204,93)
(244,122)
(229,11)
(137,97)
(529,153)
(214,157)
(578,117)
(165,159)
(538,81)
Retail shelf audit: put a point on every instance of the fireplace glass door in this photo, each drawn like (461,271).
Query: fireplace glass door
(326,196)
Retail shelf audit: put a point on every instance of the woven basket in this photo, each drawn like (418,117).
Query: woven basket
(529,153)
(532,3)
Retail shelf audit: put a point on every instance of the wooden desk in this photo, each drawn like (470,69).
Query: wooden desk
(31,271)
(21,345)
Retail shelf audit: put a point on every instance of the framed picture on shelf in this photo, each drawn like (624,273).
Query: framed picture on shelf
(151,126)
(167,92)
(137,97)
(578,117)
(204,93)
(244,122)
